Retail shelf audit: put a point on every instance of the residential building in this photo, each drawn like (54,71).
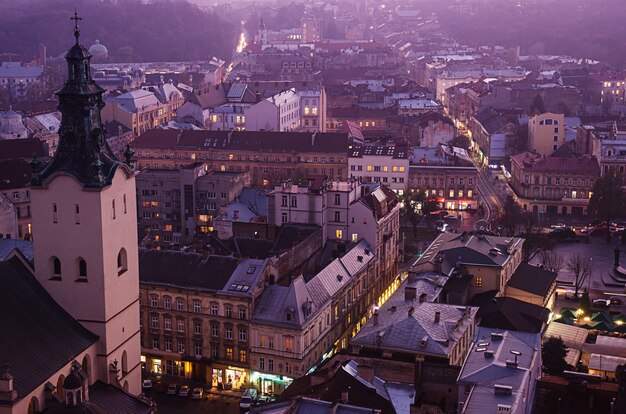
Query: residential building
(452,77)
(356,384)
(195,315)
(435,129)
(19,78)
(446,174)
(272,157)
(141,110)
(417,106)
(387,165)
(311,30)
(280,112)
(45,127)
(490,131)
(12,125)
(532,284)
(373,122)
(303,404)
(490,260)
(546,133)
(8,219)
(298,326)
(500,372)
(510,313)
(405,328)
(553,185)
(201,102)
(175,206)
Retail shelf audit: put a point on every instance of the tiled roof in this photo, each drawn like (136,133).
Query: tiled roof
(532,279)
(381,201)
(14,174)
(529,161)
(39,337)
(187,270)
(7,246)
(22,148)
(262,141)
(116,400)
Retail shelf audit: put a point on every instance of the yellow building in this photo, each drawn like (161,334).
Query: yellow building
(532,284)
(546,133)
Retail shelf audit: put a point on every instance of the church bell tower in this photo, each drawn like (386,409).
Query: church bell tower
(85,227)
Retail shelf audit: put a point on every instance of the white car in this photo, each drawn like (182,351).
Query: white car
(184,391)
(601,303)
(147,384)
(558,226)
(570,294)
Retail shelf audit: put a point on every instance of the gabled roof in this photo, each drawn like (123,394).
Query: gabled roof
(532,279)
(14,174)
(381,201)
(38,337)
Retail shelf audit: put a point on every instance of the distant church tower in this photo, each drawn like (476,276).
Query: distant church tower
(262,33)
(84,210)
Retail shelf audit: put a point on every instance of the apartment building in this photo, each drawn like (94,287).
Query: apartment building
(271,157)
(176,205)
(387,165)
(195,315)
(546,133)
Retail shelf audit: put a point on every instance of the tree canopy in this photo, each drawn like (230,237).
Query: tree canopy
(132,30)
(553,353)
(608,200)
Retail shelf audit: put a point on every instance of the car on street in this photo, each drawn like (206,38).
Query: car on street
(601,303)
(248,399)
(147,384)
(184,391)
(571,295)
(559,226)
(563,234)
(197,393)
(263,399)
(616,228)
(172,389)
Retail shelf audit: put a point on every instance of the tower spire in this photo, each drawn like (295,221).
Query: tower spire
(76,18)
(83,151)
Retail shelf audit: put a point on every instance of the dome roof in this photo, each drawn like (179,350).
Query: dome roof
(72,381)
(98,50)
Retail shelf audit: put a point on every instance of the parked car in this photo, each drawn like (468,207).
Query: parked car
(184,391)
(197,394)
(601,303)
(147,384)
(263,399)
(571,295)
(616,229)
(559,226)
(248,398)
(172,389)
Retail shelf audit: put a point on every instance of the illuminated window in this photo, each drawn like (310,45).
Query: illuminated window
(222,168)
(373,124)
(470,193)
(229,353)
(339,234)
(451,193)
(401,169)
(369,168)
(385,168)
(214,118)
(314,110)
(355,237)
(243,355)
(288,344)
(167,227)
(460,193)
(394,169)
(306,110)
(478,282)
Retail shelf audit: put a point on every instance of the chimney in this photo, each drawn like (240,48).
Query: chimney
(375,317)
(411,311)
(437,317)
(119,130)
(511,364)
(313,139)
(366,372)
(258,96)
(410,293)
(422,298)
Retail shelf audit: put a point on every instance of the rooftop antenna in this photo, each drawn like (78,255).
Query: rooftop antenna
(516,353)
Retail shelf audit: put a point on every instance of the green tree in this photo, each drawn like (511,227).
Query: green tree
(608,200)
(509,218)
(553,353)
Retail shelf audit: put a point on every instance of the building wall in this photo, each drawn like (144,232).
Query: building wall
(102,228)
(385,170)
(546,133)
(455,187)
(20,198)
(436,133)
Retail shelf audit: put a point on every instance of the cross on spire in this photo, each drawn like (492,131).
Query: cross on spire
(76,18)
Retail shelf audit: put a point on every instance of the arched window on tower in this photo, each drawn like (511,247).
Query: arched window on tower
(55,265)
(122,264)
(82,269)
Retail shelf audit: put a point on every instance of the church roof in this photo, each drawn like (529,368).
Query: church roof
(38,336)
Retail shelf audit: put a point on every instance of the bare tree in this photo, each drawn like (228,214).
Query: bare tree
(581,266)
(552,261)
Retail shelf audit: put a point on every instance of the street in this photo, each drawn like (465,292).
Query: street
(170,404)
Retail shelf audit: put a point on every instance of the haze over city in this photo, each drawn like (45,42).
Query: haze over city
(355,206)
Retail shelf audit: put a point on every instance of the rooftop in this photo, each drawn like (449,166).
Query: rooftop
(532,279)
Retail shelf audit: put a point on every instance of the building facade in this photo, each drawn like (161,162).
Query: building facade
(546,133)
(385,165)
(551,186)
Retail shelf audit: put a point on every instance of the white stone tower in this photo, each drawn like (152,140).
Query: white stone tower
(84,210)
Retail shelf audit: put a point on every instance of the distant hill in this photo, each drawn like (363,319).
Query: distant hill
(131,30)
